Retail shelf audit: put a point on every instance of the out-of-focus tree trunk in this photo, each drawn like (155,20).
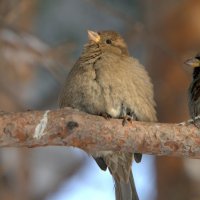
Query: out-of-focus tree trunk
(172,29)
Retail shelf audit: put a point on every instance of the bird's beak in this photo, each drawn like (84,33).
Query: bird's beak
(193,62)
(93,36)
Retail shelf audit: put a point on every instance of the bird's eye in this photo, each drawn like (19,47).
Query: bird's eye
(108,41)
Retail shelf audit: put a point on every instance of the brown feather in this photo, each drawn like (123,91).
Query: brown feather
(106,80)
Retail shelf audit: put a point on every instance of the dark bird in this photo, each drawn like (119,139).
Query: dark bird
(194,89)
(106,81)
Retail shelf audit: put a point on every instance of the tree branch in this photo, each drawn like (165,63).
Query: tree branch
(69,127)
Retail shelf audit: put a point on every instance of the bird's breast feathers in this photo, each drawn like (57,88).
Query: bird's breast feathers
(123,80)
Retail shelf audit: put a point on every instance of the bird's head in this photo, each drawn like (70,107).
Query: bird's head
(108,41)
(194,62)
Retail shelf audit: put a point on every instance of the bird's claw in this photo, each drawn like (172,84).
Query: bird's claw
(196,122)
(105,115)
(127,119)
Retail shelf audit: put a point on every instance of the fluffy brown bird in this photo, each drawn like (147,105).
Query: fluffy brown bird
(194,89)
(107,81)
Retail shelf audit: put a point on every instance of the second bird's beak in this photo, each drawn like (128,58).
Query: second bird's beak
(193,62)
(94,36)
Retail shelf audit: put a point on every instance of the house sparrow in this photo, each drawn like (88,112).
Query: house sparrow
(106,81)
(194,89)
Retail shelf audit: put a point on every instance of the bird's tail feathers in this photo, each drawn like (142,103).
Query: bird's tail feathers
(126,191)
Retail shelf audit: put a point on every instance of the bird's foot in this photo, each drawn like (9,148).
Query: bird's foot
(196,121)
(106,115)
(126,119)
